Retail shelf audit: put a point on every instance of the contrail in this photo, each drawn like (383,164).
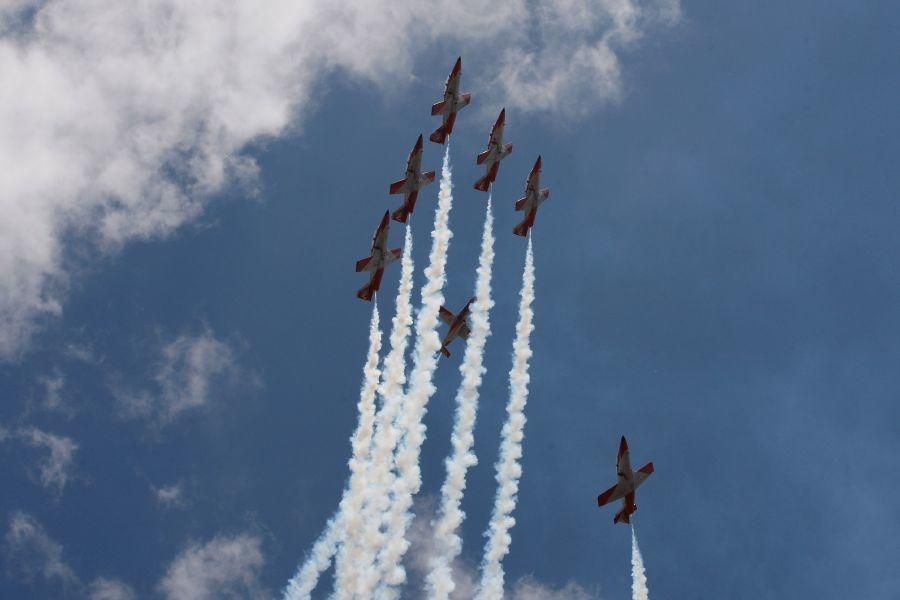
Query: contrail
(508,468)
(419,392)
(639,589)
(448,543)
(347,517)
(356,572)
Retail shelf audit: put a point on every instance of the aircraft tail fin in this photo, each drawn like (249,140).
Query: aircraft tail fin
(623,516)
(483,184)
(445,351)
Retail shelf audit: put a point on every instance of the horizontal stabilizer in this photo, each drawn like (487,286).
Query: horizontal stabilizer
(445,352)
(365,292)
(362,263)
(437,107)
(439,136)
(401,214)
(521,229)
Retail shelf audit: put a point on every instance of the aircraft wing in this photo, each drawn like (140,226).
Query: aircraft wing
(464,331)
(496,139)
(612,494)
(414,162)
(641,475)
(446,316)
(623,460)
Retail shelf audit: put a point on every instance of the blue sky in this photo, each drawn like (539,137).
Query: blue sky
(716,280)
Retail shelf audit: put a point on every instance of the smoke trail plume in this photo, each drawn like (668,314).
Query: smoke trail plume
(356,568)
(508,468)
(447,541)
(301,585)
(419,392)
(347,518)
(639,589)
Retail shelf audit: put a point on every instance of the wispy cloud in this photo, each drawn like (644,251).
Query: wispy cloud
(125,122)
(224,567)
(32,555)
(54,470)
(189,372)
(170,496)
(110,589)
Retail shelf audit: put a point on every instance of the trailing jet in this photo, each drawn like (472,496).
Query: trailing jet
(411,184)
(452,102)
(375,263)
(629,481)
(458,326)
(496,151)
(534,197)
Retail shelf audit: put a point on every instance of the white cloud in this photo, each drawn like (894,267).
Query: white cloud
(110,589)
(170,496)
(31,553)
(190,367)
(53,387)
(225,567)
(54,469)
(120,121)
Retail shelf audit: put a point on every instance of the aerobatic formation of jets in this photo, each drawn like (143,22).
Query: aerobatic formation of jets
(458,327)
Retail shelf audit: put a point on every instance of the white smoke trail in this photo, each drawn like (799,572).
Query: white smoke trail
(347,517)
(301,585)
(356,568)
(419,392)
(639,589)
(448,543)
(508,468)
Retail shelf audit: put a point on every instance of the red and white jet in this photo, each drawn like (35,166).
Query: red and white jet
(458,326)
(496,151)
(452,102)
(375,263)
(411,184)
(629,481)
(534,197)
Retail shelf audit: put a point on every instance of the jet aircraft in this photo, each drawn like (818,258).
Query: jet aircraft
(375,263)
(411,183)
(458,326)
(496,151)
(628,482)
(534,197)
(452,102)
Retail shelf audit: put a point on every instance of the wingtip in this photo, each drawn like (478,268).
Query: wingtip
(419,142)
(623,445)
